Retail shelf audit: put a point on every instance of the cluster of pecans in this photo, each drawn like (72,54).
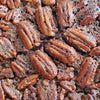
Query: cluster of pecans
(49,50)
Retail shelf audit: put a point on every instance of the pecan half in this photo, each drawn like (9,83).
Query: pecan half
(48,2)
(95,51)
(61,51)
(47,92)
(29,34)
(43,64)
(6,72)
(20,72)
(2,96)
(22,65)
(31,80)
(30,93)
(68,85)
(88,69)
(13,3)
(45,21)
(79,39)
(3,11)
(4,25)
(14,15)
(65,14)
(88,14)
(10,89)
(6,48)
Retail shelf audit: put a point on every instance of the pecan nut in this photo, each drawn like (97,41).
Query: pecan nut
(95,51)
(4,25)
(68,85)
(3,11)
(47,92)
(31,80)
(65,14)
(87,72)
(61,51)
(34,2)
(21,66)
(45,21)
(20,72)
(2,96)
(10,89)
(29,34)
(88,14)
(6,48)
(6,72)
(30,93)
(14,15)
(13,3)
(79,39)
(75,96)
(48,2)
(43,64)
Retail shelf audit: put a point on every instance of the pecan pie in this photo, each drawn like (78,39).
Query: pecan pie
(49,49)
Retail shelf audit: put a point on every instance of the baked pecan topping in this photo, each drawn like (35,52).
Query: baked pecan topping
(2,96)
(29,34)
(6,73)
(6,48)
(68,85)
(3,11)
(48,2)
(43,64)
(45,21)
(13,3)
(4,25)
(88,14)
(47,92)
(10,89)
(65,14)
(79,39)
(61,51)
(31,80)
(87,72)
